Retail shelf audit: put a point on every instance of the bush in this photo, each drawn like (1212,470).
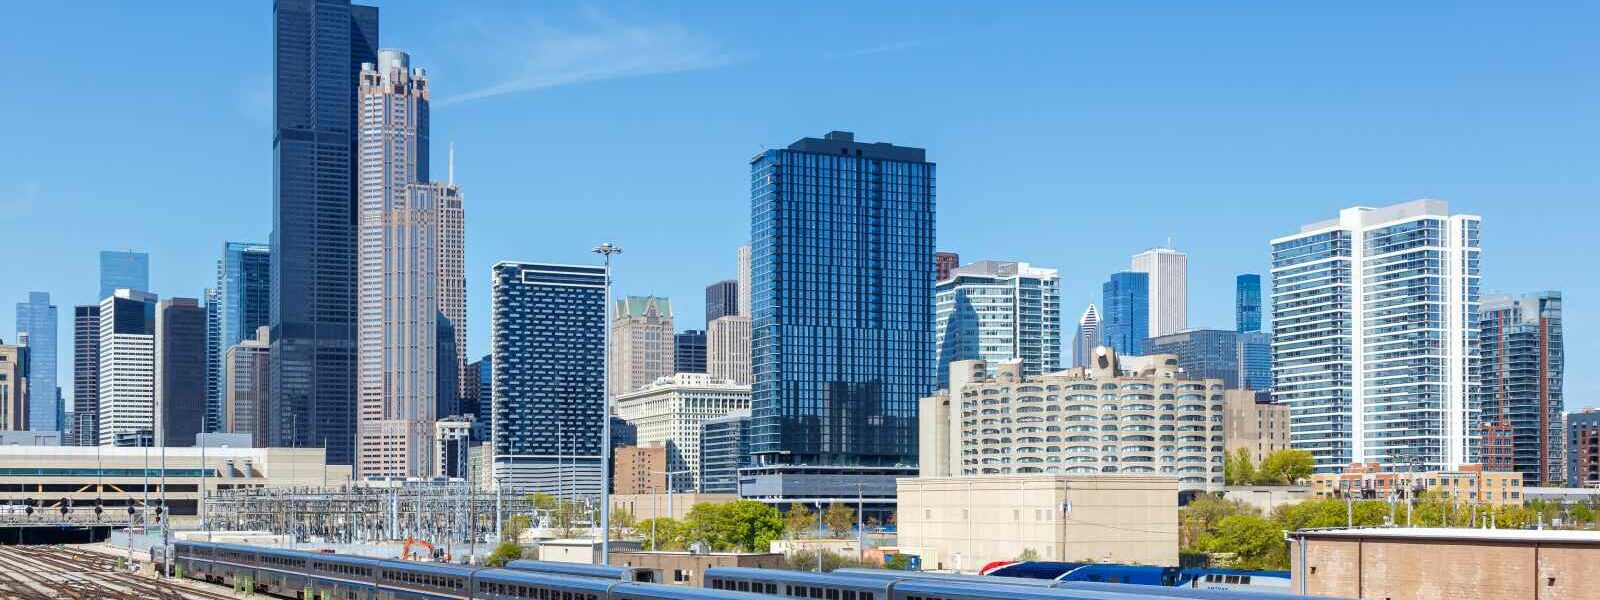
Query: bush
(506,552)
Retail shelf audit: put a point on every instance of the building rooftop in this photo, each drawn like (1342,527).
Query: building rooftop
(1457,533)
(844,143)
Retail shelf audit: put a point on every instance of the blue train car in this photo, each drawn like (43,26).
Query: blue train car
(634,574)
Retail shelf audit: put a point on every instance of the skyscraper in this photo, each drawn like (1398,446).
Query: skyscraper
(728,349)
(945,263)
(722,299)
(1374,336)
(1247,302)
(36,319)
(85,375)
(243,304)
(724,447)
(689,352)
(1202,353)
(123,270)
(1169,288)
(127,365)
(642,342)
(996,311)
(843,270)
(411,320)
(745,308)
(319,47)
(1087,336)
(1255,361)
(214,358)
(247,401)
(180,378)
(548,328)
(668,413)
(1520,390)
(1125,324)
(13,387)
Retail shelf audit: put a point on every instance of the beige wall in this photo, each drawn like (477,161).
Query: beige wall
(964,522)
(682,568)
(648,506)
(638,470)
(1260,428)
(1422,569)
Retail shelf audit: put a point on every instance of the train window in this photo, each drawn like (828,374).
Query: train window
(849,595)
(866,595)
(832,593)
(772,588)
(1244,579)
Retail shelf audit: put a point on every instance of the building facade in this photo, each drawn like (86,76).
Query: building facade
(722,299)
(13,387)
(668,414)
(319,49)
(123,269)
(1125,320)
(639,469)
(1375,333)
(1255,361)
(127,365)
(36,319)
(1247,302)
(547,333)
(1087,336)
(689,351)
(85,375)
(1205,353)
(1428,563)
(1471,484)
(452,446)
(1169,288)
(1521,373)
(180,377)
(944,264)
(842,335)
(996,311)
(744,282)
(1583,448)
(728,349)
(247,401)
(724,448)
(1259,427)
(642,343)
(243,305)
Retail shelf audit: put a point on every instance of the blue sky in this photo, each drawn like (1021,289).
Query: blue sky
(1069,135)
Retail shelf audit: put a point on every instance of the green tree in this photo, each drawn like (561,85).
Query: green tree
(506,552)
(806,560)
(661,533)
(515,525)
(1581,515)
(1203,513)
(1248,542)
(798,520)
(898,562)
(621,522)
(840,519)
(752,525)
(1284,467)
(1237,469)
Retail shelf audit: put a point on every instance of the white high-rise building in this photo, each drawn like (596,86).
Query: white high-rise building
(728,349)
(996,311)
(127,366)
(1374,336)
(669,412)
(1169,288)
(744,281)
(1087,337)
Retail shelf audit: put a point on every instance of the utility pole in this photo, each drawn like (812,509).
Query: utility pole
(819,536)
(861,525)
(606,250)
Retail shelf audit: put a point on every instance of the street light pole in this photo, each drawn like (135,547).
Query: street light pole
(606,250)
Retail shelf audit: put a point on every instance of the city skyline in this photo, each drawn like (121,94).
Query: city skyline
(1520,253)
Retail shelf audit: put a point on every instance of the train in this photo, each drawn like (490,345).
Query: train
(1184,577)
(305,575)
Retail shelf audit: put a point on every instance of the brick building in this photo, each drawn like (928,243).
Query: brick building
(1470,484)
(639,470)
(1445,564)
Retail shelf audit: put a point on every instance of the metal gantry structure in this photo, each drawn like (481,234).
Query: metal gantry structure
(443,514)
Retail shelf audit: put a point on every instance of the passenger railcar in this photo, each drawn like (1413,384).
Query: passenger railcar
(509,584)
(797,584)
(633,574)
(405,580)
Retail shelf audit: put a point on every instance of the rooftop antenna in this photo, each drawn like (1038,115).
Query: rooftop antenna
(1169,238)
(452,162)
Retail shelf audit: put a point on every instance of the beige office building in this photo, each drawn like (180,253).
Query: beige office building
(246,374)
(668,414)
(643,347)
(13,387)
(728,349)
(1261,428)
(638,469)
(963,523)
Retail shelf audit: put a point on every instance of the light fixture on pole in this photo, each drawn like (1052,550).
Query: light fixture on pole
(606,250)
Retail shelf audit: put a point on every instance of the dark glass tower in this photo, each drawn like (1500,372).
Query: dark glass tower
(843,334)
(1125,316)
(722,299)
(180,371)
(85,374)
(319,46)
(689,351)
(1247,302)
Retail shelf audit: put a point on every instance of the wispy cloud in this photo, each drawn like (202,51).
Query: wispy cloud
(19,202)
(536,54)
(884,48)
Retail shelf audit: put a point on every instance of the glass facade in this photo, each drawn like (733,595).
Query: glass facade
(123,270)
(1247,302)
(1203,353)
(998,311)
(1523,362)
(240,303)
(548,347)
(1087,336)
(690,354)
(85,375)
(722,299)
(724,447)
(1125,322)
(181,364)
(843,277)
(319,46)
(37,319)
(1255,360)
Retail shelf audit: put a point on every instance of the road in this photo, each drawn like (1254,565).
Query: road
(53,572)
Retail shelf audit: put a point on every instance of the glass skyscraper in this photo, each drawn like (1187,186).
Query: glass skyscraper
(1247,302)
(842,337)
(997,311)
(243,303)
(689,355)
(123,270)
(36,319)
(319,47)
(1087,336)
(1375,336)
(548,328)
(1203,353)
(724,447)
(1255,360)
(1125,320)
(722,299)
(1520,392)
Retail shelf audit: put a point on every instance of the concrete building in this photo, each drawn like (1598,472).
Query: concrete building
(722,299)
(1124,414)
(1470,484)
(668,413)
(85,376)
(689,351)
(745,308)
(127,365)
(1087,336)
(117,478)
(724,449)
(247,401)
(944,264)
(689,568)
(36,319)
(1267,498)
(728,349)
(1169,288)
(1444,563)
(1346,359)
(963,523)
(452,446)
(1583,448)
(658,503)
(180,378)
(13,387)
(547,332)
(1260,427)
(996,311)
(1521,374)
(642,343)
(638,469)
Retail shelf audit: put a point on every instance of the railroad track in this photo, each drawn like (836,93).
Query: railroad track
(54,572)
